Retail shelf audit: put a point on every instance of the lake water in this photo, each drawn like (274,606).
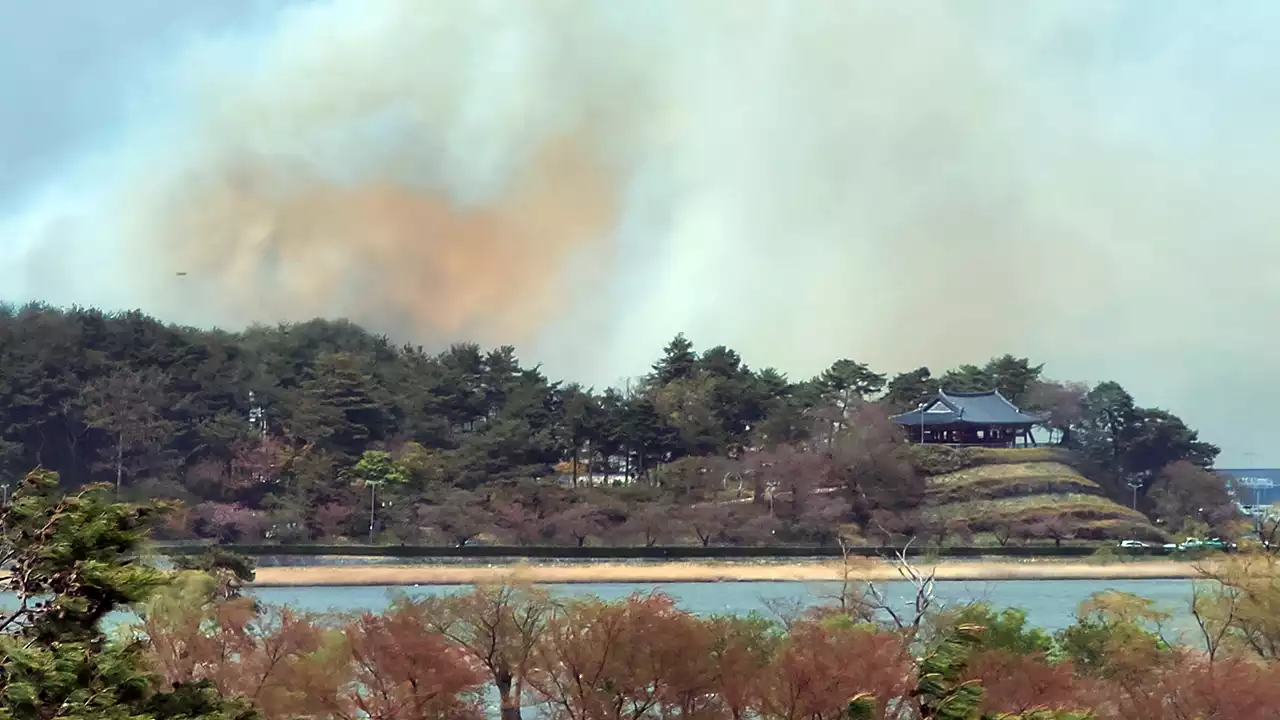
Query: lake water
(1050,604)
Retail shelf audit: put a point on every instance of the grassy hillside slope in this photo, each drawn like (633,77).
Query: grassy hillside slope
(994,489)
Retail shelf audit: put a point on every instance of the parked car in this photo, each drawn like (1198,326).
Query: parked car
(1201,544)
(1220,544)
(1133,544)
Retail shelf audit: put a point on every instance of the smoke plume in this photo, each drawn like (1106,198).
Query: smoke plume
(903,183)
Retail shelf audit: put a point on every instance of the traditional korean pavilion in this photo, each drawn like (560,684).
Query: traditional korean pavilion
(968,418)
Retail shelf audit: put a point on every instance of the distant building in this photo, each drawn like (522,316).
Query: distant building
(969,418)
(1253,487)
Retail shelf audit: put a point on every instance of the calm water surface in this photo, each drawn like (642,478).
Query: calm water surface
(1050,604)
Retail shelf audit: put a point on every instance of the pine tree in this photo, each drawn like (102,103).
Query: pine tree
(73,561)
(678,361)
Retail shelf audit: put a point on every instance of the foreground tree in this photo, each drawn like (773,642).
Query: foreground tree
(638,658)
(499,626)
(823,663)
(74,560)
(404,671)
(281,661)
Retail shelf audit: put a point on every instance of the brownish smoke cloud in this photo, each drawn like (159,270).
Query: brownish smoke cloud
(264,240)
(902,183)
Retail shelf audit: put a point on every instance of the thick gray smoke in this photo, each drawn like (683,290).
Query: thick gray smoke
(905,183)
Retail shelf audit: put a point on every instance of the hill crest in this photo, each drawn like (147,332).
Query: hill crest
(1023,491)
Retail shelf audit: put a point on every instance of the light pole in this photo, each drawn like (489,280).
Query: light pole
(1134,485)
(373,507)
(921,409)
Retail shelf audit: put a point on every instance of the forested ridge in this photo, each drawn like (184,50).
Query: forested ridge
(297,432)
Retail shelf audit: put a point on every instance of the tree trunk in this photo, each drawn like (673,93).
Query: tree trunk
(575,466)
(509,702)
(119,460)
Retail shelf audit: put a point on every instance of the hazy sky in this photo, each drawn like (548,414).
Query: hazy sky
(904,183)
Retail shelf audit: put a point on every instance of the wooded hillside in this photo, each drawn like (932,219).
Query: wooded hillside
(297,432)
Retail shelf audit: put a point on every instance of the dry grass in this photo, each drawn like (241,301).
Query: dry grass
(1003,456)
(1012,472)
(713,572)
(1088,516)
(1018,487)
(993,482)
(1085,507)
(1118,528)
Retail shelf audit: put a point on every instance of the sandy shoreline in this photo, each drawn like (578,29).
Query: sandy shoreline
(674,572)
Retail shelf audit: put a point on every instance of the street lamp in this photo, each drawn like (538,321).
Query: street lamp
(1134,485)
(373,506)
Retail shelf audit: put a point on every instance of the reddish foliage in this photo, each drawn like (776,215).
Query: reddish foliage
(651,523)
(459,517)
(1229,688)
(1186,490)
(257,462)
(820,515)
(178,522)
(748,525)
(1016,683)
(820,667)
(708,521)
(644,658)
(1063,403)
(402,671)
(267,657)
(229,522)
(609,661)
(577,523)
(742,652)
(523,525)
(331,519)
(883,525)
(795,473)
(872,462)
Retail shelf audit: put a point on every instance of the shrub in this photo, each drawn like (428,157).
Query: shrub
(1106,554)
(939,459)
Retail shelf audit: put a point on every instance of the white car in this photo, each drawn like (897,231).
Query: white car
(1133,544)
